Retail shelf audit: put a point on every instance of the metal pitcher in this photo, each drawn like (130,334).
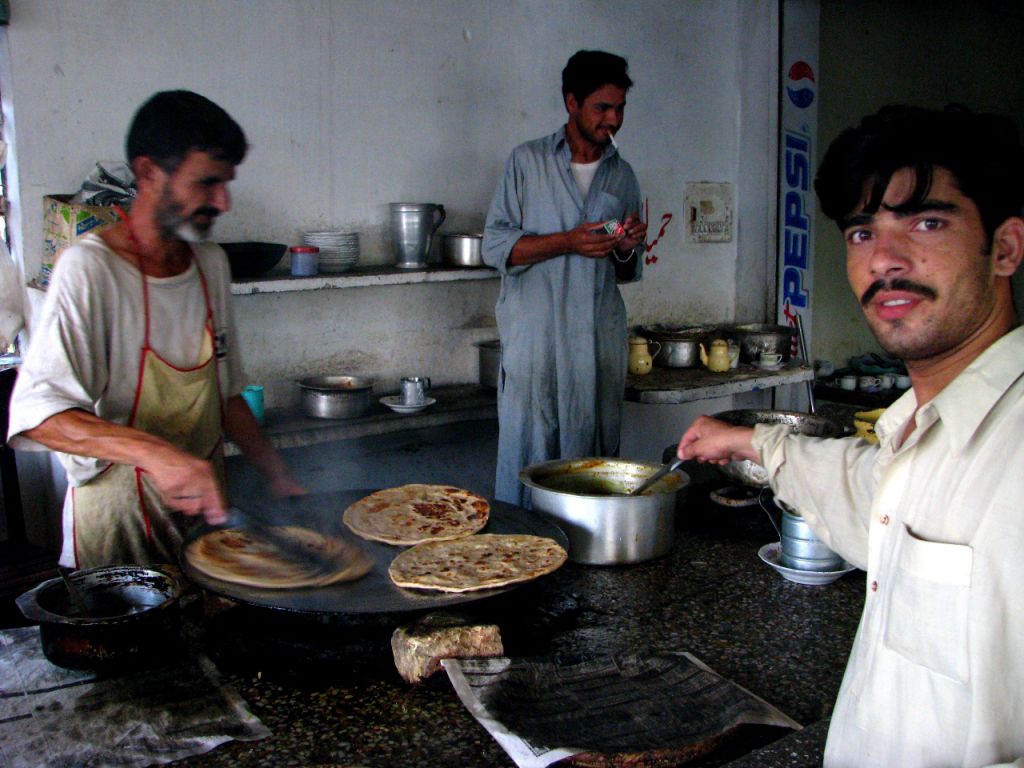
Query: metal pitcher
(412,228)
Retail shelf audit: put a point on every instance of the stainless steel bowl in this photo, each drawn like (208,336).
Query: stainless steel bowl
(753,474)
(336,397)
(462,249)
(587,499)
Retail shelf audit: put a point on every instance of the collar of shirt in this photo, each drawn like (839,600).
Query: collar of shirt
(561,145)
(965,402)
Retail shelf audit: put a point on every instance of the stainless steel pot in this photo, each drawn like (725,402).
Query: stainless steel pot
(490,362)
(133,618)
(462,249)
(753,474)
(680,345)
(586,498)
(755,338)
(336,397)
(801,549)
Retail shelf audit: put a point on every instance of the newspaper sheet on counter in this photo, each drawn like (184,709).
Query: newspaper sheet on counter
(51,716)
(543,711)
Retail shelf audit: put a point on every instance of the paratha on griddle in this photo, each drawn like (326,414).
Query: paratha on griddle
(235,555)
(410,514)
(484,561)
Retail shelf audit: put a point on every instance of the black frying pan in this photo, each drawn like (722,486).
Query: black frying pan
(374,592)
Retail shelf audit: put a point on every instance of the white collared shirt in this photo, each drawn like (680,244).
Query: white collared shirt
(936,673)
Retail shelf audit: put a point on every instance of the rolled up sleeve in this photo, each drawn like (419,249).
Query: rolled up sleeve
(504,224)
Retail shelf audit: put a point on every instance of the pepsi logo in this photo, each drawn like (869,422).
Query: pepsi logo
(802,83)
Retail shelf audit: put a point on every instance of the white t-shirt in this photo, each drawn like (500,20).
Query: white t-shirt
(584,174)
(86,350)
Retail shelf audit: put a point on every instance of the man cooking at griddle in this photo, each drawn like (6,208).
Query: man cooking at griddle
(930,205)
(132,375)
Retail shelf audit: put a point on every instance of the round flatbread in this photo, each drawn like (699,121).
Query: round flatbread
(484,561)
(411,514)
(241,557)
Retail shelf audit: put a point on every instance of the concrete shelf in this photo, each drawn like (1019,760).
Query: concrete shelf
(667,386)
(360,278)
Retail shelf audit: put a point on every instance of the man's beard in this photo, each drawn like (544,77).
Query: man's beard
(174,223)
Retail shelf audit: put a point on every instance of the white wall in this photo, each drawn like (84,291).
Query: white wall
(351,105)
(923,52)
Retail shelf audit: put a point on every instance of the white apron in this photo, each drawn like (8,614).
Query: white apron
(118,517)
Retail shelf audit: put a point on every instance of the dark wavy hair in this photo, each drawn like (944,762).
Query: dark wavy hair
(173,123)
(586,71)
(982,151)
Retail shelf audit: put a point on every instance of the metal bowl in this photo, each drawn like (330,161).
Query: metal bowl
(336,397)
(587,499)
(251,259)
(753,474)
(133,618)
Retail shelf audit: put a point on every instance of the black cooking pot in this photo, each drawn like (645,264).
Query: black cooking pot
(133,618)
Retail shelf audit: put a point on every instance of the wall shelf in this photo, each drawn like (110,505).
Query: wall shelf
(360,278)
(669,386)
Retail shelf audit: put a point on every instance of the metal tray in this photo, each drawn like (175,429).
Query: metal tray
(374,593)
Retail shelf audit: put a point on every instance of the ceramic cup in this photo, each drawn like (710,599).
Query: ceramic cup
(414,389)
(848,382)
(902,382)
(868,383)
(769,358)
(886,380)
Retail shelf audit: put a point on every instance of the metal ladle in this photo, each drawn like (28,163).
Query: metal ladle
(655,477)
(77,598)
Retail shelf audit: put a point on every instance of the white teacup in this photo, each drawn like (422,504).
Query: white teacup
(903,382)
(848,382)
(769,358)
(869,383)
(886,380)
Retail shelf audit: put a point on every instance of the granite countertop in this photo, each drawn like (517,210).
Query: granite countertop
(328,690)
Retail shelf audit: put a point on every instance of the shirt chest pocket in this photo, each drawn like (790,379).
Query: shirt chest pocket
(927,614)
(602,206)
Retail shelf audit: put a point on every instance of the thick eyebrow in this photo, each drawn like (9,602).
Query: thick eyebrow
(901,211)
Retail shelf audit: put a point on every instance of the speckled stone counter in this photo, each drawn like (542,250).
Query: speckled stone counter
(327,688)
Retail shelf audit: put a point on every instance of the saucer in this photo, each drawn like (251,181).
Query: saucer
(394,402)
(767,366)
(770,553)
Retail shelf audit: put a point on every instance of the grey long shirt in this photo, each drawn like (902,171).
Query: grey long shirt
(562,321)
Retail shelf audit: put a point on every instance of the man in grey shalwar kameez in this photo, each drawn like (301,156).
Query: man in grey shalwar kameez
(560,316)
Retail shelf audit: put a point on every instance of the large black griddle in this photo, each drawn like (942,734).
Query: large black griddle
(374,593)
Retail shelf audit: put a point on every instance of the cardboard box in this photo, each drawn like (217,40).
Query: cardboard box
(64,223)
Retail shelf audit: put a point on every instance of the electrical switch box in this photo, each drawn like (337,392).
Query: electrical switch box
(708,207)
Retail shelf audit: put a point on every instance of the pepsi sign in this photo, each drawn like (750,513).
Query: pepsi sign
(796,219)
(800,88)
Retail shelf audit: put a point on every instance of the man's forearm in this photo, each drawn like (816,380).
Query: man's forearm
(80,433)
(529,249)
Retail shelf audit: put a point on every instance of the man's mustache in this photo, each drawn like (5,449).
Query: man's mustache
(899,284)
(211,212)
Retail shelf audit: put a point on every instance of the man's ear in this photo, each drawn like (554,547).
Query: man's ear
(1008,246)
(570,103)
(145,169)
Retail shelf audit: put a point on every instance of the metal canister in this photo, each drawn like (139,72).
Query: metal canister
(801,549)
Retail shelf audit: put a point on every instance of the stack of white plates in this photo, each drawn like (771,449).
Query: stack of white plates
(339,251)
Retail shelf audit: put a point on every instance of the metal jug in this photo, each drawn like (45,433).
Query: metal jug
(412,227)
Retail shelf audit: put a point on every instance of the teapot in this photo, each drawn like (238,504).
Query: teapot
(640,359)
(717,359)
